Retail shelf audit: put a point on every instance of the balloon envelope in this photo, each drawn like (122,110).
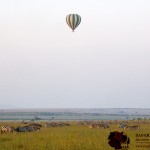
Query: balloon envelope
(73,20)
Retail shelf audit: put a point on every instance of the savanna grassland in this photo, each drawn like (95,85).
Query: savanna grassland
(72,137)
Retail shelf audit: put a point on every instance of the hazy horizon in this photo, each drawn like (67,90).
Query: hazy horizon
(105,63)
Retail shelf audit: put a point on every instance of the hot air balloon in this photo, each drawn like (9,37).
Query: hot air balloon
(73,20)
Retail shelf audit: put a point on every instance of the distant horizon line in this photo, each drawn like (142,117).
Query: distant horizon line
(78,108)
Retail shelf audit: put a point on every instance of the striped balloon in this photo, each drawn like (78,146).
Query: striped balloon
(73,20)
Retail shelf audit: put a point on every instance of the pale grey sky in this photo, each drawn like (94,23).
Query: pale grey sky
(104,63)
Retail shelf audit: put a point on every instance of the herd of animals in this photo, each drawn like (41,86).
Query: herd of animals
(30,127)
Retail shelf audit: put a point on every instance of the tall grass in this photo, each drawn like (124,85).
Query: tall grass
(64,138)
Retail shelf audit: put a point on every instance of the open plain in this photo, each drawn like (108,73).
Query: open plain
(74,135)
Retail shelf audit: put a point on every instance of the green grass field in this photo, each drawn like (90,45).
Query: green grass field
(66,138)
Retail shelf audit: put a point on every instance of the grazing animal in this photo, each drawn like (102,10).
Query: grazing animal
(94,126)
(56,124)
(36,125)
(132,127)
(5,129)
(122,125)
(28,128)
(103,125)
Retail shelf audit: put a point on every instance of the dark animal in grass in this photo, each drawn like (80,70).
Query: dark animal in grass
(27,129)
(117,138)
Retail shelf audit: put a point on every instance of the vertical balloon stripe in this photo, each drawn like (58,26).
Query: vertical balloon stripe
(68,21)
(71,21)
(75,21)
(78,20)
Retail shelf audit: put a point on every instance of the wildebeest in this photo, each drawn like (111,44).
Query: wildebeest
(5,129)
(94,126)
(28,128)
(35,125)
(98,125)
(56,124)
(83,123)
(132,127)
